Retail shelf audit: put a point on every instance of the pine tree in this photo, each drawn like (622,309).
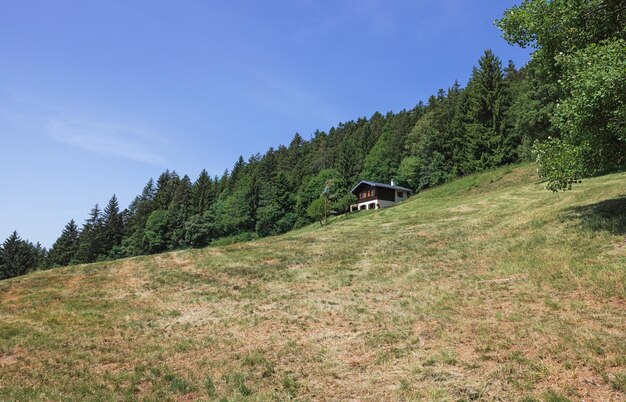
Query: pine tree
(379,164)
(149,191)
(485,141)
(295,163)
(320,159)
(202,193)
(139,211)
(513,88)
(16,257)
(350,161)
(64,249)
(91,238)
(274,214)
(236,172)
(222,182)
(41,256)
(178,212)
(165,189)
(113,225)
(376,125)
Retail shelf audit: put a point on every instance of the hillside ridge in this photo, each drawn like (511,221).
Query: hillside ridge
(488,287)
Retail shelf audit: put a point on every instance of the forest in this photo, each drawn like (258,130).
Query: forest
(566,109)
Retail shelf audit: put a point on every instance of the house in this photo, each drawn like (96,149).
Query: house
(371,195)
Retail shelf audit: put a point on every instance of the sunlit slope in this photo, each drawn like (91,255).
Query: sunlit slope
(488,288)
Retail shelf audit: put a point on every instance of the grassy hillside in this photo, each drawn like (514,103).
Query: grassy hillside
(489,288)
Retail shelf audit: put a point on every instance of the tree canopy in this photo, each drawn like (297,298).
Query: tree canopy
(579,61)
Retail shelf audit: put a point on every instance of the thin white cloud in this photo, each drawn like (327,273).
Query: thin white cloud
(288,97)
(103,138)
(373,16)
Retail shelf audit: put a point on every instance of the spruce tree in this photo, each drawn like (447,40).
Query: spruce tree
(178,212)
(140,209)
(222,182)
(113,225)
(294,165)
(277,202)
(41,256)
(202,193)
(379,164)
(485,140)
(64,249)
(236,172)
(91,238)
(17,257)
(350,161)
(165,188)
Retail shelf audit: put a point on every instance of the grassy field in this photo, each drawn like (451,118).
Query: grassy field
(488,288)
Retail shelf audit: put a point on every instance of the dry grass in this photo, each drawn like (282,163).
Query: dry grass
(489,288)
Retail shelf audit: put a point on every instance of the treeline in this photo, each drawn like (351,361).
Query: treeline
(566,108)
(458,131)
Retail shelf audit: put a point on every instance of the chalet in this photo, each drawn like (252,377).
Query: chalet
(371,195)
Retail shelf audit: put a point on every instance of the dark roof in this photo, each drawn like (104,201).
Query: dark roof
(374,184)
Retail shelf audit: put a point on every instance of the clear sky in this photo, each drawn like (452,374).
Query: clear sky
(97,96)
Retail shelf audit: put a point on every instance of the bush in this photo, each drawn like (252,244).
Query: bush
(155,235)
(200,230)
(316,210)
(342,204)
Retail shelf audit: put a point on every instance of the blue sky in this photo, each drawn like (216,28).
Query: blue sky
(96,97)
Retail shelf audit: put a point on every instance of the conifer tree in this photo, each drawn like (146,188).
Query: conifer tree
(202,193)
(376,125)
(350,161)
(513,88)
(113,225)
(236,172)
(178,212)
(41,256)
(139,211)
(275,215)
(222,182)
(64,249)
(165,189)
(16,257)
(484,134)
(149,191)
(295,163)
(90,240)
(380,162)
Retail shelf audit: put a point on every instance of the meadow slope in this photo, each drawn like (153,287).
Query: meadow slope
(487,288)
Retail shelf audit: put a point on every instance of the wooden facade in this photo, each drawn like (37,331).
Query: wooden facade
(371,195)
(366,192)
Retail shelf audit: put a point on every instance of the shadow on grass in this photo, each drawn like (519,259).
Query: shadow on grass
(608,216)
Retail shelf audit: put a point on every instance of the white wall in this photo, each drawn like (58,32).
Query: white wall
(382,203)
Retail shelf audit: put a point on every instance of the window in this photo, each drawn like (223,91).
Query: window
(366,194)
(400,194)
